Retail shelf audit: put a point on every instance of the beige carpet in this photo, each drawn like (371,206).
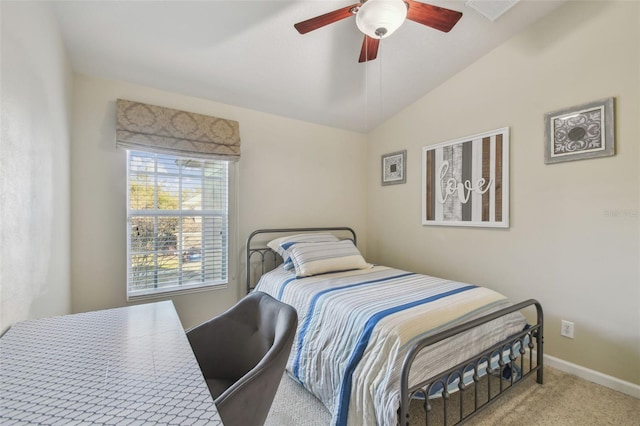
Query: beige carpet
(562,400)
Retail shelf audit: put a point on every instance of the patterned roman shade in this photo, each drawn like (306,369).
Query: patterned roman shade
(170,131)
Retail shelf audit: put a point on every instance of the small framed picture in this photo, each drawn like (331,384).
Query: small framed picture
(580,132)
(394,170)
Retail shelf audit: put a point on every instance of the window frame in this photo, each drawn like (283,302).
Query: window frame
(230,238)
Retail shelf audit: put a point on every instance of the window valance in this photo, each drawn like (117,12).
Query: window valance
(149,127)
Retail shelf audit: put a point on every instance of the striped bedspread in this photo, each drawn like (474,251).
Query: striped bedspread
(355,328)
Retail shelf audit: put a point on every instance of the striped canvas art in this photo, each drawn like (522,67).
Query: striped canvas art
(465,182)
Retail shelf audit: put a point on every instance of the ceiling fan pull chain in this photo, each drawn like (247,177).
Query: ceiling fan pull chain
(380,83)
(366,88)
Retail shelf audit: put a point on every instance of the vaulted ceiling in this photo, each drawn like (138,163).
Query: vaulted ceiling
(248,54)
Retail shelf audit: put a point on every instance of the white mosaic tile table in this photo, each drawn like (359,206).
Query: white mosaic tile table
(124,366)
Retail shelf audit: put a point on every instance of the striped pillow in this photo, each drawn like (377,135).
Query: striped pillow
(320,258)
(283,244)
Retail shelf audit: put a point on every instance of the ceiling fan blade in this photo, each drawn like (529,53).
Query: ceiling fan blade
(432,16)
(326,19)
(369,49)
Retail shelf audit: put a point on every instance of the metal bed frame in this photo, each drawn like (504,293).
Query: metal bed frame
(527,358)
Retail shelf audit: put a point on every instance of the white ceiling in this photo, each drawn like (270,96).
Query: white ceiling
(247,53)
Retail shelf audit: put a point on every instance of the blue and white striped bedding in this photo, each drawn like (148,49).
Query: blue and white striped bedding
(355,328)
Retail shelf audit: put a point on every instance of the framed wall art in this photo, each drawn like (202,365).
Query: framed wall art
(394,169)
(580,132)
(465,182)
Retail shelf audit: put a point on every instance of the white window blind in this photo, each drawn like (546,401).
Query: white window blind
(178,229)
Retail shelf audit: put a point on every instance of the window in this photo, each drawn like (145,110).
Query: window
(178,217)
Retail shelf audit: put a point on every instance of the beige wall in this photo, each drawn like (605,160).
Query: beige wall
(34,166)
(564,246)
(290,171)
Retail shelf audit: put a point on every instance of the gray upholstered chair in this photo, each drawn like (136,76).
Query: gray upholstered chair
(242,354)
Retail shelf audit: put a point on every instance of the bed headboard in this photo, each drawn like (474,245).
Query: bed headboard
(256,247)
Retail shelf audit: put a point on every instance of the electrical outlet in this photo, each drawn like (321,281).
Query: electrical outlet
(566,329)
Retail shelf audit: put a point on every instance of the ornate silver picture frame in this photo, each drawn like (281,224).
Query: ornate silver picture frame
(580,132)
(394,169)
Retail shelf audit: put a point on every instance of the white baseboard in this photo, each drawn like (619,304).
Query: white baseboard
(593,376)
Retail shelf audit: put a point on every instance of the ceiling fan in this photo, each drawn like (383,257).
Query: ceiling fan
(378,19)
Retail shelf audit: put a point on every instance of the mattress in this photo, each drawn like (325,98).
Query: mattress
(355,328)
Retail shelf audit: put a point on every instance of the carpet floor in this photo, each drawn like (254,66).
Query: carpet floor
(563,400)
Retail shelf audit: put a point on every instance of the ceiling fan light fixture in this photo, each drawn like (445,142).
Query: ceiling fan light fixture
(380,18)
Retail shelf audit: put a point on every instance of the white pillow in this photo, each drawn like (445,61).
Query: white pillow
(283,244)
(320,258)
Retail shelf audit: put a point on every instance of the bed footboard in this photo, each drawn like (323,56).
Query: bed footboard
(511,361)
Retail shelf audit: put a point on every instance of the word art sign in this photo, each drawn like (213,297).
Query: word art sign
(465,182)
